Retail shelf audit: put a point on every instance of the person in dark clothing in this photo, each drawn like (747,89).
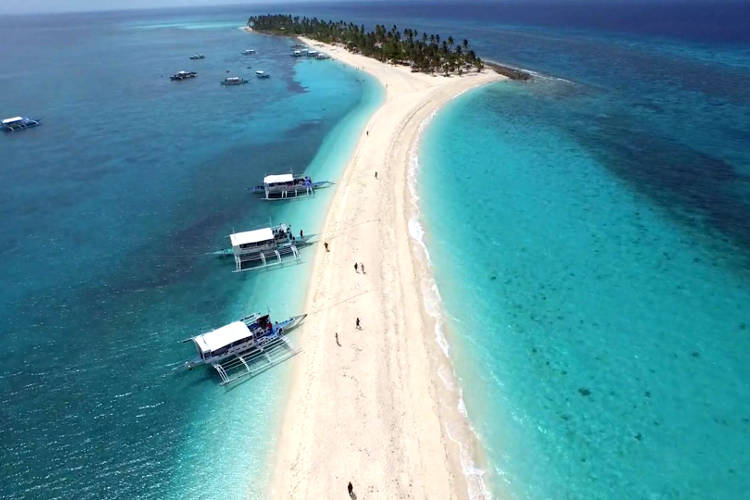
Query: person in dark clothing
(358,326)
(350,488)
(356,269)
(325,244)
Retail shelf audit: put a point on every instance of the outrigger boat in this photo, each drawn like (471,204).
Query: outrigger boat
(264,247)
(248,52)
(262,74)
(197,56)
(286,186)
(19,123)
(183,75)
(233,80)
(246,347)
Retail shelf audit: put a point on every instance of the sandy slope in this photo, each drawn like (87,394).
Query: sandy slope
(369,411)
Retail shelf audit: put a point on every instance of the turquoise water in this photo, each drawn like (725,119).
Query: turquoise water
(592,259)
(109,210)
(589,234)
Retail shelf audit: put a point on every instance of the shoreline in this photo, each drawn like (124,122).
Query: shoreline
(368,407)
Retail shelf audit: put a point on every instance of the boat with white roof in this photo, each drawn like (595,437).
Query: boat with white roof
(233,80)
(183,75)
(287,186)
(196,57)
(262,74)
(246,347)
(16,123)
(264,247)
(248,52)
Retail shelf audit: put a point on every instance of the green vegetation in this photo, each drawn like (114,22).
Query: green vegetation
(424,52)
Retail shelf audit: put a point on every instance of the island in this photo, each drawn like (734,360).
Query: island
(422,52)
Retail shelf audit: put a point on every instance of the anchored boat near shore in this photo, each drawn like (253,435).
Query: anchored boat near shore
(246,347)
(264,247)
(262,74)
(287,186)
(16,123)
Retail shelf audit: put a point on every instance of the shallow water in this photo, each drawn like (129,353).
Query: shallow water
(596,284)
(109,210)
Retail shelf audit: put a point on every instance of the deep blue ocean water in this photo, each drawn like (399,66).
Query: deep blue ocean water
(589,234)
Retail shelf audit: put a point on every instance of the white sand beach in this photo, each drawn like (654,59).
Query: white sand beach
(369,407)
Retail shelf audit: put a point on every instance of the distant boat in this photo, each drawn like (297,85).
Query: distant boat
(19,123)
(248,52)
(197,56)
(296,53)
(322,56)
(263,247)
(287,186)
(246,347)
(262,74)
(233,80)
(312,53)
(183,75)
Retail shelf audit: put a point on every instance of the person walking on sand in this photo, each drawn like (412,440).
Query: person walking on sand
(376,174)
(350,488)
(358,326)
(362,267)
(355,268)
(325,244)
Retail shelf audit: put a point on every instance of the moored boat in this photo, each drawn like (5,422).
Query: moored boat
(248,52)
(322,55)
(246,347)
(16,123)
(262,74)
(233,80)
(195,57)
(287,186)
(183,75)
(264,247)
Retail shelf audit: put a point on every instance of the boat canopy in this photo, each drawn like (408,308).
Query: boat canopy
(223,336)
(255,236)
(12,120)
(273,179)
